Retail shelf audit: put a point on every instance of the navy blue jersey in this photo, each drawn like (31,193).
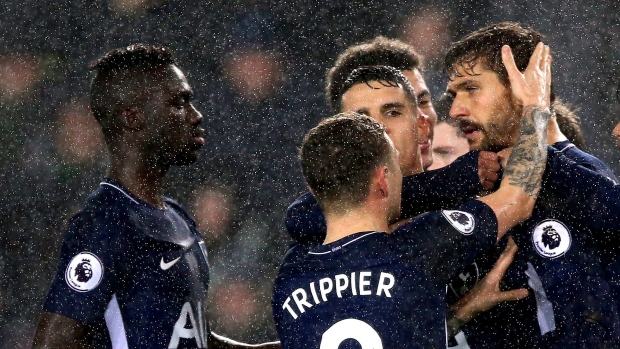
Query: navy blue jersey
(377,290)
(570,303)
(444,188)
(135,273)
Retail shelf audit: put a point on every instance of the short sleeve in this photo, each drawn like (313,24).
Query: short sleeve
(85,278)
(448,240)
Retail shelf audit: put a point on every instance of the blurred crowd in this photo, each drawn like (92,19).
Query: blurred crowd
(258,71)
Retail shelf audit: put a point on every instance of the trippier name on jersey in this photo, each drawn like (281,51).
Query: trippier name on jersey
(355,284)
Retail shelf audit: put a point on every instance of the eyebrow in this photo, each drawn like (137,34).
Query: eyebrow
(424,93)
(451,92)
(392,105)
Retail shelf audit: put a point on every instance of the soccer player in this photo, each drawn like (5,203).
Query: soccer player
(446,188)
(392,53)
(133,268)
(558,257)
(387,290)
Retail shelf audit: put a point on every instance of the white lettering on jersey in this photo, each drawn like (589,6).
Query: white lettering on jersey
(342,282)
(196,331)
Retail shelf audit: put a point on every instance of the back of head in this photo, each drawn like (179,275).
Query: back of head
(339,156)
(386,75)
(379,51)
(483,47)
(120,79)
(569,123)
(442,108)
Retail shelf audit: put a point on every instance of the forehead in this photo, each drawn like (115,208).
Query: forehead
(170,80)
(472,73)
(416,79)
(373,94)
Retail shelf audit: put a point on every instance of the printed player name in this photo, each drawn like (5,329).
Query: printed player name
(357,284)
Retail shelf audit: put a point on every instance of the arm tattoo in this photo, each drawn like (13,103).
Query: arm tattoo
(526,164)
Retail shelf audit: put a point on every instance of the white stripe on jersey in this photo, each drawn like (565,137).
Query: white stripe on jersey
(121,190)
(116,327)
(363,236)
(567,147)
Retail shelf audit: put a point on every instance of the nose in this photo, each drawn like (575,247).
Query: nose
(195,117)
(458,109)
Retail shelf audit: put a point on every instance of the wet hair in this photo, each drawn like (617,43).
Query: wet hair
(387,76)
(379,51)
(339,156)
(484,46)
(569,123)
(120,77)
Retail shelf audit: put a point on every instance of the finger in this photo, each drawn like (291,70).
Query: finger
(488,155)
(504,261)
(490,176)
(513,295)
(487,165)
(542,59)
(509,63)
(537,56)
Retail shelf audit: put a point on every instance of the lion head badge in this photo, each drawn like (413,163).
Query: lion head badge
(551,238)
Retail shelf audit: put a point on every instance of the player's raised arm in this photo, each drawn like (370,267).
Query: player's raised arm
(514,201)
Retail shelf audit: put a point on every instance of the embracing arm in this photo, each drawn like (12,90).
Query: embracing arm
(57,331)
(514,201)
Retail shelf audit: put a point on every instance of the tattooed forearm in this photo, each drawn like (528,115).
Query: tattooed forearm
(526,164)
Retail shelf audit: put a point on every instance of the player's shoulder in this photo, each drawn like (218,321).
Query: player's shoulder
(465,219)
(178,208)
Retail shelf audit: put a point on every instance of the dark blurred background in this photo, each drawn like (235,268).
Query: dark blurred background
(258,72)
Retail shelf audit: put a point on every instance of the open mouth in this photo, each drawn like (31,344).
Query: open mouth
(471,131)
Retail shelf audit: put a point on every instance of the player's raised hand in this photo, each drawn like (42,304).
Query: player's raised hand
(532,88)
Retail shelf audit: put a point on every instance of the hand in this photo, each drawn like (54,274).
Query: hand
(504,154)
(532,88)
(488,169)
(486,293)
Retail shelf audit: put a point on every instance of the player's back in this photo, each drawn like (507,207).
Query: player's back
(358,289)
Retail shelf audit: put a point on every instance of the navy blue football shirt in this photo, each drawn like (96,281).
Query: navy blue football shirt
(135,273)
(444,188)
(559,260)
(378,290)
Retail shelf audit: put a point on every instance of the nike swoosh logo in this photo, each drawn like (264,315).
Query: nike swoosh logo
(166,266)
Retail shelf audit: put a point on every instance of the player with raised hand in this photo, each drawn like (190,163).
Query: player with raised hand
(387,290)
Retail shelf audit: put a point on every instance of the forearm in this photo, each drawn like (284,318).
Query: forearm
(514,201)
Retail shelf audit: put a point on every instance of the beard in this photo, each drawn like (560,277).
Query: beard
(499,133)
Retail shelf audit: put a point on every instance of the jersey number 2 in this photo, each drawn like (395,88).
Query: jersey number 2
(354,329)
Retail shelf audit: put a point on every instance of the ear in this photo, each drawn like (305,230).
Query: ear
(424,128)
(381,181)
(133,118)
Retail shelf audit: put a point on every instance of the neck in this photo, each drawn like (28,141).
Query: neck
(354,221)
(554,134)
(143,178)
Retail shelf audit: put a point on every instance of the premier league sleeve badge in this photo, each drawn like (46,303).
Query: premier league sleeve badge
(84,272)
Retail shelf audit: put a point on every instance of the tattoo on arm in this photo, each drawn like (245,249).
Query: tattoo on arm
(527,161)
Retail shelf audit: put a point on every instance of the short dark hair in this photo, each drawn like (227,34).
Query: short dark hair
(484,45)
(339,156)
(379,51)
(116,78)
(388,76)
(569,123)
